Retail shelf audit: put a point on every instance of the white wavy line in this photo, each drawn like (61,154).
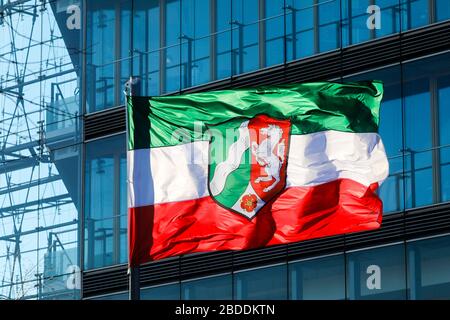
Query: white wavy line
(232,162)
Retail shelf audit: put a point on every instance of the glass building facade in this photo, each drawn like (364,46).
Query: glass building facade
(63,211)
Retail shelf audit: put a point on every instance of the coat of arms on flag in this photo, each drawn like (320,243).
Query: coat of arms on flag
(247,162)
(248,168)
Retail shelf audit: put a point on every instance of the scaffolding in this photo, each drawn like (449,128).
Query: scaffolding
(39,150)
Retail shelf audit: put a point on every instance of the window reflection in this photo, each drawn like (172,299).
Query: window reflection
(180,44)
(428,268)
(105,205)
(318,279)
(108,30)
(377,273)
(211,288)
(162,292)
(265,283)
(245,39)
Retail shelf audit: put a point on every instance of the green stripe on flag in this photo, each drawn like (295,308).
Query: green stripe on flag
(312,107)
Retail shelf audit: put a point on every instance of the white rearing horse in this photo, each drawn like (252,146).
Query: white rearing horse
(268,157)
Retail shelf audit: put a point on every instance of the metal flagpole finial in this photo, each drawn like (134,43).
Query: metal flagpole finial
(133,86)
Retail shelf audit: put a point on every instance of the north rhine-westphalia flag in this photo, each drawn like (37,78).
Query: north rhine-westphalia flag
(248,168)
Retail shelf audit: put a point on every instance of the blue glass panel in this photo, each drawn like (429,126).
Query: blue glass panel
(245,55)
(195,40)
(329,22)
(442,10)
(354,20)
(101,41)
(429,269)
(274,32)
(259,284)
(390,17)
(146,44)
(105,202)
(418,156)
(172,48)
(415,13)
(163,292)
(223,39)
(107,66)
(55,288)
(321,278)
(211,288)
(443,85)
(300,29)
(377,274)
(115,296)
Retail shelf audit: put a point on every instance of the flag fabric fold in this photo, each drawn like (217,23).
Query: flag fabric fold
(248,168)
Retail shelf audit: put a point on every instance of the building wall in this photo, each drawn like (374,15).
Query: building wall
(63,196)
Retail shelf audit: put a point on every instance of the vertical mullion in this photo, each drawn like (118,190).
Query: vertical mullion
(116,209)
(213,40)
(316,25)
(117,44)
(434,104)
(162,39)
(180,44)
(372,31)
(262,33)
(432,10)
(284,33)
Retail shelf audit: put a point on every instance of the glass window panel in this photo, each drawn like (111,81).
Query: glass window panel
(211,288)
(163,292)
(39,216)
(195,41)
(105,202)
(101,40)
(146,44)
(300,29)
(274,32)
(261,284)
(442,10)
(329,22)
(354,18)
(377,273)
(390,17)
(115,296)
(245,23)
(172,47)
(318,279)
(56,288)
(106,72)
(222,39)
(443,85)
(415,13)
(429,268)
(418,156)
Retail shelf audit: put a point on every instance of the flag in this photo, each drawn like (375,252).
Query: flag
(249,168)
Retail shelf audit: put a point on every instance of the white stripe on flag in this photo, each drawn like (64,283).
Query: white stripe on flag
(313,159)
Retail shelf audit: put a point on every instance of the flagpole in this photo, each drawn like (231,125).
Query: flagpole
(133,88)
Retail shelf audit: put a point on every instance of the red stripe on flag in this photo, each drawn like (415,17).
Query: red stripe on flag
(298,213)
